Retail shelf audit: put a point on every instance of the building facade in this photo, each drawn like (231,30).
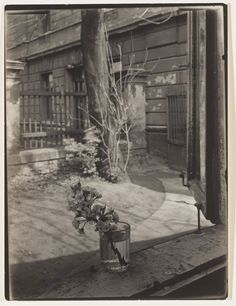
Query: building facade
(150,39)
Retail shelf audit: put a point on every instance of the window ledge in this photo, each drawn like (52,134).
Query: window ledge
(157,269)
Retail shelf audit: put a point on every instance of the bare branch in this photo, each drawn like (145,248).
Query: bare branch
(156,22)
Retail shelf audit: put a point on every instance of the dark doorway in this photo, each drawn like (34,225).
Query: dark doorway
(46,105)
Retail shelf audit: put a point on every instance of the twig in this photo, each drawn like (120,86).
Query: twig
(115,250)
(156,22)
(92,117)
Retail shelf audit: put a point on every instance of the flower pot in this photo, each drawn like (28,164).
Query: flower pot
(115,248)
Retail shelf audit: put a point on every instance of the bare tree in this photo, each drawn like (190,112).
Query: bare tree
(108,108)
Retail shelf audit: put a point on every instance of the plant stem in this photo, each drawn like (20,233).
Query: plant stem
(116,251)
(128,148)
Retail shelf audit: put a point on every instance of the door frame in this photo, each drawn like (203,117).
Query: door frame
(206,112)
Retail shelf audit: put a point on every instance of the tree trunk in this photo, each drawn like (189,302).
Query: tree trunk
(95,63)
(96,74)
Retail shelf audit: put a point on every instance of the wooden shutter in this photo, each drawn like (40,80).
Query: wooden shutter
(176,127)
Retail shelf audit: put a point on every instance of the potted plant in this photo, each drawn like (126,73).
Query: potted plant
(114,235)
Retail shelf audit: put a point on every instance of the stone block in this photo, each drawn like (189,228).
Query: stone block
(37,155)
(43,161)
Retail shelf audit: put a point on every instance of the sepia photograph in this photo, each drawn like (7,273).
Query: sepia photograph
(116,181)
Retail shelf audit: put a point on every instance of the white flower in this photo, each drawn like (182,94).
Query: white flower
(115,217)
(97,207)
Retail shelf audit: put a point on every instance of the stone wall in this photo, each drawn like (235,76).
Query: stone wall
(136,97)
(13,69)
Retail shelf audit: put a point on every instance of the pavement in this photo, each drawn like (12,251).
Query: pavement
(44,247)
(177,213)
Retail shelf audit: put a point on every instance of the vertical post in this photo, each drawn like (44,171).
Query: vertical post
(201,42)
(61,131)
(86,115)
(78,103)
(23,117)
(199,207)
(70,112)
(56,120)
(41,140)
(51,117)
(30,130)
(190,92)
(24,130)
(35,129)
(65,115)
(44,116)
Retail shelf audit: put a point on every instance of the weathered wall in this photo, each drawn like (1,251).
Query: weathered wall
(26,37)
(21,28)
(136,97)
(57,64)
(162,50)
(13,105)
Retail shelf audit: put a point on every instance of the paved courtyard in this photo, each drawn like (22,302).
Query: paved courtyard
(44,246)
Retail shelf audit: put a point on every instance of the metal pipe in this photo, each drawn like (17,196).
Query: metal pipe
(199,206)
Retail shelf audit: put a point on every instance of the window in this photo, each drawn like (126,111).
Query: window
(47,81)
(47,85)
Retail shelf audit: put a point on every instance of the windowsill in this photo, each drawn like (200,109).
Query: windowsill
(158,269)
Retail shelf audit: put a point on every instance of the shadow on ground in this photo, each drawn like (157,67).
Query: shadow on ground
(30,280)
(159,180)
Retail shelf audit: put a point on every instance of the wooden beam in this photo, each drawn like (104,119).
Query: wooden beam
(34,135)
